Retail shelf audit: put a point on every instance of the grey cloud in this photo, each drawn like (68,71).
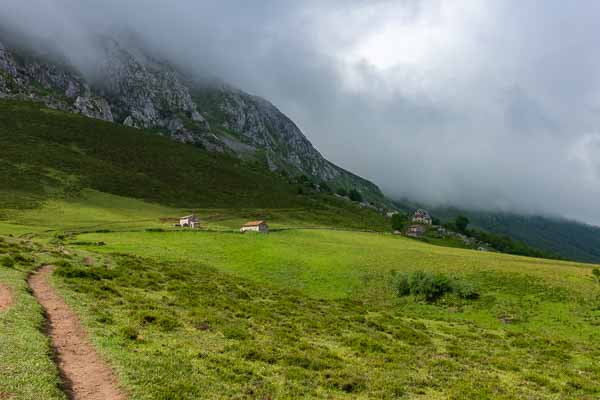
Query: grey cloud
(490,104)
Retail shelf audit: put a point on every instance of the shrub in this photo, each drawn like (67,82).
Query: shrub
(324,187)
(461,223)
(430,287)
(355,196)
(399,221)
(7,262)
(596,273)
(465,290)
(401,284)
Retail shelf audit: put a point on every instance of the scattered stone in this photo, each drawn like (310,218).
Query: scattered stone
(203,326)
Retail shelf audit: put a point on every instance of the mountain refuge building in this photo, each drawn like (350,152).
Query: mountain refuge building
(189,221)
(255,226)
(422,217)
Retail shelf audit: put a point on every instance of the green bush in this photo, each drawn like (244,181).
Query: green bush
(465,290)
(7,262)
(401,284)
(431,287)
(428,286)
(355,195)
(596,273)
(324,187)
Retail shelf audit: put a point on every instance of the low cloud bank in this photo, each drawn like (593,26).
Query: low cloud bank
(489,105)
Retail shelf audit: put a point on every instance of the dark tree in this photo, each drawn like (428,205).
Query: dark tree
(324,187)
(462,223)
(342,192)
(399,221)
(355,196)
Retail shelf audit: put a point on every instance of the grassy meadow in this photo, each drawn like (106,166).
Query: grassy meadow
(305,313)
(313,313)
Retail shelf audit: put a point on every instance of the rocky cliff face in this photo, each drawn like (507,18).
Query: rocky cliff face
(147,94)
(139,91)
(55,85)
(257,123)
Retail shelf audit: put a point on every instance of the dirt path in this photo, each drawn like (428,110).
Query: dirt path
(85,375)
(6,298)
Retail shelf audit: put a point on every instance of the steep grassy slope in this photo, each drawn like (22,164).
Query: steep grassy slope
(43,148)
(48,154)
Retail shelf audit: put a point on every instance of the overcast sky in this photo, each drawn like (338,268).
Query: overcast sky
(490,104)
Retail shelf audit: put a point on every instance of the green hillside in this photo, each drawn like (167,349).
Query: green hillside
(570,239)
(48,154)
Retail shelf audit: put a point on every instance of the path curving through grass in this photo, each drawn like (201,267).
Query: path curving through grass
(85,375)
(6,298)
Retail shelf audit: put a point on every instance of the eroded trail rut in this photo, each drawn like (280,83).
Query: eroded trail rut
(86,376)
(6,298)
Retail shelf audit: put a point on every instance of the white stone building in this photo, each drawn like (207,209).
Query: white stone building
(189,221)
(255,226)
(422,217)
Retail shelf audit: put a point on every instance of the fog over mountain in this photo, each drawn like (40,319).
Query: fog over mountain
(490,105)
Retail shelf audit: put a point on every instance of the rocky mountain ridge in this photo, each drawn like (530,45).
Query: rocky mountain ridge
(133,89)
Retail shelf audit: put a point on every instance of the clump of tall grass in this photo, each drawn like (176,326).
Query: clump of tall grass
(7,262)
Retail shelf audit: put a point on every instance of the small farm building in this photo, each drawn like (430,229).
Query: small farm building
(416,230)
(255,226)
(189,221)
(422,217)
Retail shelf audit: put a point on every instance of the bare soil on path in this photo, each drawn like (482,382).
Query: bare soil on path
(85,375)
(6,299)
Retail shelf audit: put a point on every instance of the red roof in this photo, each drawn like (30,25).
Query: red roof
(254,223)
